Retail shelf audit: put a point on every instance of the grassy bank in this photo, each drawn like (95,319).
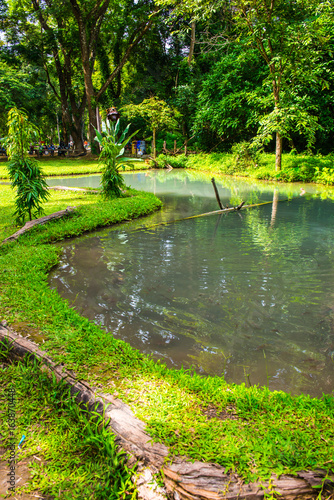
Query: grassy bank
(65,453)
(295,168)
(249,430)
(72,166)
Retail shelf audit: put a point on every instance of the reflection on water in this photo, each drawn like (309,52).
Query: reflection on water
(238,294)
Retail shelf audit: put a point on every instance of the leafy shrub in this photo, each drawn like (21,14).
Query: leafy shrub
(159,162)
(164,161)
(245,155)
(214,162)
(324,176)
(25,175)
(179,161)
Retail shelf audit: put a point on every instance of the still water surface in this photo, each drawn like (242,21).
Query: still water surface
(246,295)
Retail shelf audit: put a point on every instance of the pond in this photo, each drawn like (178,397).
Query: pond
(246,295)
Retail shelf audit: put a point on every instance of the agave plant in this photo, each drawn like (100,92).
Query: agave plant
(112,149)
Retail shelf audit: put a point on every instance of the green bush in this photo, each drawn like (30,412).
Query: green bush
(221,163)
(245,155)
(325,176)
(25,175)
(164,161)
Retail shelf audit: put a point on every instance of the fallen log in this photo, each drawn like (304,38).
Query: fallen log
(40,221)
(184,480)
(68,188)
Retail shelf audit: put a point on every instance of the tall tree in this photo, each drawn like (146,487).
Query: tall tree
(89,20)
(156,112)
(285,35)
(67,35)
(282,33)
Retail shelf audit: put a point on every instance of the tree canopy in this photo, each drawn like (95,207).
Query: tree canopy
(259,71)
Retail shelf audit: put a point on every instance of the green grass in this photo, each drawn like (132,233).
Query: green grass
(295,168)
(71,455)
(72,166)
(269,432)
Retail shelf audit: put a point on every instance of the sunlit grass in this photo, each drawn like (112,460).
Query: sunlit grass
(72,166)
(267,432)
(70,456)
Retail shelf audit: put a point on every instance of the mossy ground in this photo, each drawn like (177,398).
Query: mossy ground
(250,430)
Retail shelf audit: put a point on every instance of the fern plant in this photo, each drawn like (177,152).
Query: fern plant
(112,143)
(25,175)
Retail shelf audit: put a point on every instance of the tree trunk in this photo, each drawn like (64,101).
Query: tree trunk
(154,149)
(64,123)
(78,143)
(192,43)
(92,125)
(278,162)
(58,131)
(274,207)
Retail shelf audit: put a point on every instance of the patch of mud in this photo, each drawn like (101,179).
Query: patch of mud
(22,478)
(211,411)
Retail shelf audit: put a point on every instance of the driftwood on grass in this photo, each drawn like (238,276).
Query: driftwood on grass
(36,222)
(67,188)
(183,479)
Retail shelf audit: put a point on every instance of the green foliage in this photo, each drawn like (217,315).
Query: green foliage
(324,176)
(77,454)
(111,157)
(156,112)
(169,138)
(23,85)
(286,119)
(164,161)
(224,106)
(245,155)
(24,172)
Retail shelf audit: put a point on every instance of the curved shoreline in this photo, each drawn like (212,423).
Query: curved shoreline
(73,341)
(184,479)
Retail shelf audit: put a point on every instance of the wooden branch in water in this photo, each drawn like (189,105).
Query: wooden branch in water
(42,220)
(184,480)
(221,206)
(226,210)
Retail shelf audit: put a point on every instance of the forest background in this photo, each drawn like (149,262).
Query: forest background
(237,72)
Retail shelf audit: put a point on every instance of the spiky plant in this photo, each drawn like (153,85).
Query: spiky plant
(112,143)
